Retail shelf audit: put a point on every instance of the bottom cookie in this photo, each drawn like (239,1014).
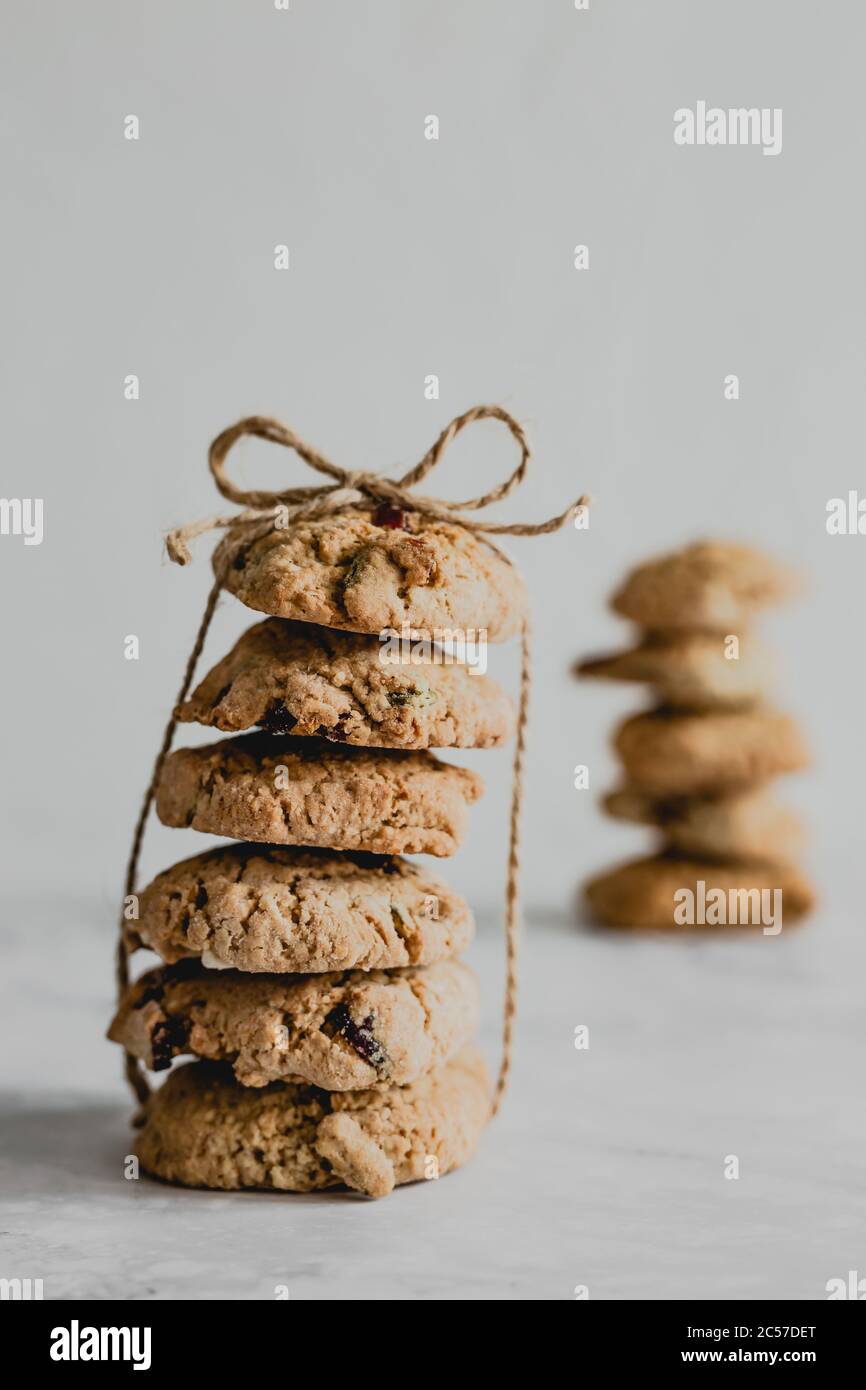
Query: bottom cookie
(672,891)
(203,1129)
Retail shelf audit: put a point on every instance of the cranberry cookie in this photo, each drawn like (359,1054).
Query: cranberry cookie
(712,584)
(689,669)
(366,571)
(309,791)
(298,678)
(643,892)
(344,1032)
(696,754)
(263,908)
(744,825)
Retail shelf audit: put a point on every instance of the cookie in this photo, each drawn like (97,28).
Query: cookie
(689,670)
(369,570)
(301,679)
(644,893)
(309,791)
(713,584)
(693,754)
(348,1031)
(260,908)
(202,1129)
(744,825)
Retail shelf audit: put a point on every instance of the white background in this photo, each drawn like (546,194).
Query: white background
(409,257)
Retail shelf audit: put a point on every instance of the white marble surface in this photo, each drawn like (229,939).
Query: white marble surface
(605,1168)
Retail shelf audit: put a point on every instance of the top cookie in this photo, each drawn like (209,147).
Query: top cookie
(355,572)
(299,678)
(713,585)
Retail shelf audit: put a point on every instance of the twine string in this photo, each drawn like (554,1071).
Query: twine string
(132,1068)
(357,489)
(265,511)
(512,879)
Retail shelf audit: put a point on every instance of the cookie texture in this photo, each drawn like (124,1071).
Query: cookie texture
(309,791)
(705,753)
(260,908)
(742,826)
(689,670)
(712,584)
(297,678)
(346,1031)
(369,570)
(642,893)
(202,1129)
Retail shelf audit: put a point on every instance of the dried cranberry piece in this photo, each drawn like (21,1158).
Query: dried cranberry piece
(358,1035)
(337,732)
(392,517)
(278,719)
(166,1039)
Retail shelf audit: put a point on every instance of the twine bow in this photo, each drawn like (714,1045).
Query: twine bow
(266,511)
(349,489)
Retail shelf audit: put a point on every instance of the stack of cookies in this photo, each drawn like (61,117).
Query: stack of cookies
(312,970)
(698,763)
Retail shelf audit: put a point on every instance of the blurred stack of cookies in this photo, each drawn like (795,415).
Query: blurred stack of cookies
(312,971)
(699,762)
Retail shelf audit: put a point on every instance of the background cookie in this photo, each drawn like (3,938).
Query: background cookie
(202,1129)
(689,669)
(641,893)
(306,791)
(281,909)
(365,571)
(298,678)
(347,1031)
(690,754)
(745,825)
(712,584)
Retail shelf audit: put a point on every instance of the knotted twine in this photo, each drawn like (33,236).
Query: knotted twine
(266,511)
